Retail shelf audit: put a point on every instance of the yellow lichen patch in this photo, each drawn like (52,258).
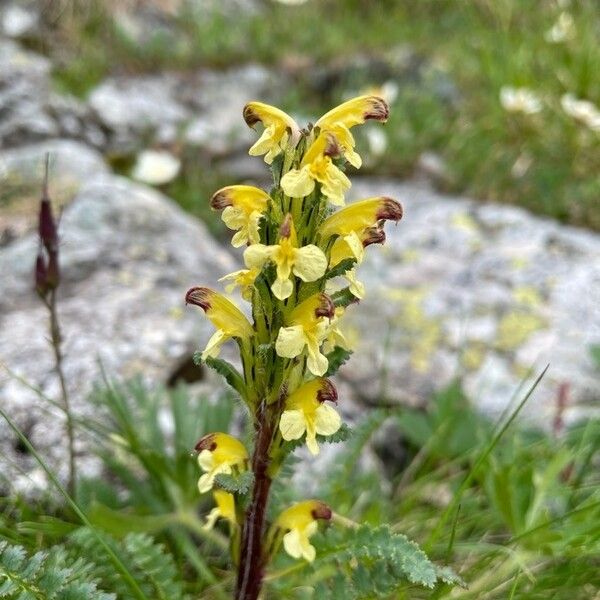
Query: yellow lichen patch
(464,221)
(528,296)
(515,327)
(472,357)
(423,331)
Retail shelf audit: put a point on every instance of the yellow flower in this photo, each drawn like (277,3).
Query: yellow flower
(305,411)
(219,453)
(358,221)
(242,206)
(308,263)
(317,165)
(307,328)
(339,120)
(280,129)
(229,320)
(335,336)
(225,509)
(244,279)
(300,521)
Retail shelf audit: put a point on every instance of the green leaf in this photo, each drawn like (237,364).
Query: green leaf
(595,354)
(340,268)
(236,484)
(229,372)
(344,298)
(337,357)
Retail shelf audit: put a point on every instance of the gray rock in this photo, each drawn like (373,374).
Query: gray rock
(484,292)
(24,93)
(18,19)
(128,255)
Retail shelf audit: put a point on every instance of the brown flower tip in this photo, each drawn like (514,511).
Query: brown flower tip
(199,296)
(206,443)
(286,227)
(321,511)
(220,200)
(326,308)
(47,226)
(373,235)
(250,115)
(389,210)
(327,392)
(378,110)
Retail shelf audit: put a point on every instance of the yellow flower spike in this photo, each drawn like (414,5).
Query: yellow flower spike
(229,320)
(219,453)
(280,130)
(300,521)
(317,165)
(305,412)
(244,279)
(307,327)
(308,263)
(340,119)
(243,206)
(225,509)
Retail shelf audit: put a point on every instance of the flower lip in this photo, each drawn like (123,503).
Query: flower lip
(250,115)
(327,392)
(199,296)
(326,308)
(321,511)
(389,210)
(206,443)
(373,235)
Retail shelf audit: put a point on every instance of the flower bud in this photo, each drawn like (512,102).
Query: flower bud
(47,226)
(41,275)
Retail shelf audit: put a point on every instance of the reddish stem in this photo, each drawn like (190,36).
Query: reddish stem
(252,559)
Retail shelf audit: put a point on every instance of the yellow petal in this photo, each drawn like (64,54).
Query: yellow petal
(297,183)
(225,504)
(245,198)
(310,263)
(211,519)
(335,185)
(213,346)
(257,255)
(205,460)
(327,420)
(308,550)
(205,483)
(282,288)
(292,424)
(355,244)
(293,544)
(317,363)
(357,288)
(290,341)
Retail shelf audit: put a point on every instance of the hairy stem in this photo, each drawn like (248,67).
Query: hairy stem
(56,340)
(252,558)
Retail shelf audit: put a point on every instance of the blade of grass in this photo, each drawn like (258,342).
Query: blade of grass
(480,460)
(115,560)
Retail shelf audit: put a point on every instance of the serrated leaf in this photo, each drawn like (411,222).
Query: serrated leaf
(229,372)
(236,484)
(344,298)
(340,268)
(337,357)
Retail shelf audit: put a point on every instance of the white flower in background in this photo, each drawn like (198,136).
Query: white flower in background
(562,30)
(156,167)
(583,111)
(292,2)
(520,100)
(377,141)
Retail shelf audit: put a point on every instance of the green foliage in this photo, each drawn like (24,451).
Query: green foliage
(236,484)
(340,268)
(229,373)
(47,576)
(337,357)
(344,298)
(153,567)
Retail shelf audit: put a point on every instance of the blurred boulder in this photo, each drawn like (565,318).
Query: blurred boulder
(484,292)
(128,255)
